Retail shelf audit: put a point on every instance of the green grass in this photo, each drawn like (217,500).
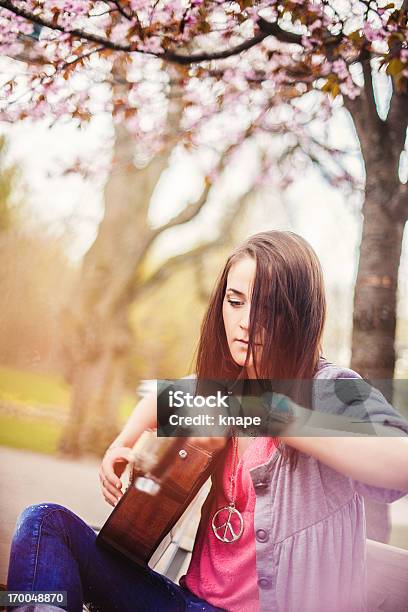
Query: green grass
(23,387)
(33,389)
(29,434)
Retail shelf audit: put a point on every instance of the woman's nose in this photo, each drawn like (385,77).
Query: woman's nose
(244,323)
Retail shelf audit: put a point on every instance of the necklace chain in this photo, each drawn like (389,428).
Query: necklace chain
(227,522)
(233,470)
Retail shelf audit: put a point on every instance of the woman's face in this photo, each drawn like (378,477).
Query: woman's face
(236,309)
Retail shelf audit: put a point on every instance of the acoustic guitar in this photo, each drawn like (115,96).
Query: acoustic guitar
(165,477)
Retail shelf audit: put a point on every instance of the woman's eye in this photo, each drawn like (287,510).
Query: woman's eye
(235,303)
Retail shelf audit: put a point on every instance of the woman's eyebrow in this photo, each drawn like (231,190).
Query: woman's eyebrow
(236,291)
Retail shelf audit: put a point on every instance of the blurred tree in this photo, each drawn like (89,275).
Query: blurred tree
(113,274)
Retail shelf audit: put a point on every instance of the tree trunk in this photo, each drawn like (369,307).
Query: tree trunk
(93,421)
(97,330)
(374,315)
(384,216)
(375,298)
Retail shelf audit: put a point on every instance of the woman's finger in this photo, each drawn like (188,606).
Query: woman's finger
(104,477)
(109,474)
(108,462)
(105,484)
(111,489)
(109,498)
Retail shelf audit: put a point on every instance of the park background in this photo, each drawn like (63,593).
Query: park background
(110,245)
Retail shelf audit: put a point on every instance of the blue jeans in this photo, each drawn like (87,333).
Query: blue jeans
(54,550)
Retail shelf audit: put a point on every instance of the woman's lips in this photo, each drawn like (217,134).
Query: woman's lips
(245,342)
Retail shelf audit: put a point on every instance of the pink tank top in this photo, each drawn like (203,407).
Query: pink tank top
(224,574)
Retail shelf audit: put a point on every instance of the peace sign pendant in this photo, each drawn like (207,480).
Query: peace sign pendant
(225,531)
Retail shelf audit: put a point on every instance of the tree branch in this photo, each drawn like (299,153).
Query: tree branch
(188,213)
(197,58)
(168,56)
(193,209)
(121,10)
(164,272)
(266,29)
(78,58)
(273,29)
(75,33)
(228,221)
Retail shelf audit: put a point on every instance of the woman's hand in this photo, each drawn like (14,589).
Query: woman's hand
(112,467)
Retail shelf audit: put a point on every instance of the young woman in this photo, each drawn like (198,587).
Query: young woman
(296,535)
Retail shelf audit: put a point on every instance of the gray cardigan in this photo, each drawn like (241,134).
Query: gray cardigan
(310,523)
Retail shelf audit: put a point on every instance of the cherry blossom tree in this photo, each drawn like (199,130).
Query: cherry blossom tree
(243,69)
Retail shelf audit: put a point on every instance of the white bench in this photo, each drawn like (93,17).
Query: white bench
(387,573)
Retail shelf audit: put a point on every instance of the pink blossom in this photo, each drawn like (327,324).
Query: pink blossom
(315,25)
(373,34)
(253,13)
(325,69)
(24,26)
(349,89)
(152,45)
(340,68)
(317,9)
(307,43)
(137,5)
(229,91)
(119,32)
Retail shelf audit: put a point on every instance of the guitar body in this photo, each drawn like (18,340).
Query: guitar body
(140,525)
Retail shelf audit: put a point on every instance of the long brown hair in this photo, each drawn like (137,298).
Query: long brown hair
(288,302)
